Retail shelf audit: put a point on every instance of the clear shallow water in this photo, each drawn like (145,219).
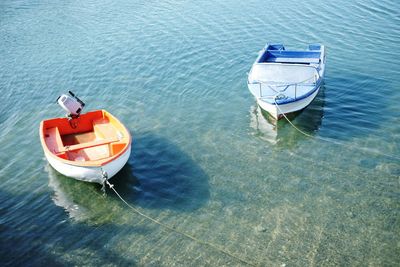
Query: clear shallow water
(204,160)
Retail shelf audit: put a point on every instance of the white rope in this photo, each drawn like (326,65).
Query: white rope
(334,141)
(271,86)
(178,231)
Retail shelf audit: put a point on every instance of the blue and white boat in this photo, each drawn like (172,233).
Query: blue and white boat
(285,81)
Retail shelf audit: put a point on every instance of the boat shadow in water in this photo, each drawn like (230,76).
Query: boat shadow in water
(159,175)
(280,132)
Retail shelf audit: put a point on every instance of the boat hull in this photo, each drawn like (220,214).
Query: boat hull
(93,174)
(277,111)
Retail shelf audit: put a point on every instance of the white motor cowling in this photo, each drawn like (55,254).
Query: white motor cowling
(71,104)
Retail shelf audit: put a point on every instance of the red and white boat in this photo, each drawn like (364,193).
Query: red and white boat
(89,147)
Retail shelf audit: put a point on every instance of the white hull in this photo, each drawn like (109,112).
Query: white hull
(90,173)
(277,111)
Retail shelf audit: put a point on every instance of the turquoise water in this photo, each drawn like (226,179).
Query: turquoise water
(205,160)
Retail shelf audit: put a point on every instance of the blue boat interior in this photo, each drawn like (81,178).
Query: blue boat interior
(276,53)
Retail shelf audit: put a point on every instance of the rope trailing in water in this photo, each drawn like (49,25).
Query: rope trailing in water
(284,115)
(176,230)
(331,141)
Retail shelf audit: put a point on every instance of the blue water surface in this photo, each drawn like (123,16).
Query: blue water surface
(205,160)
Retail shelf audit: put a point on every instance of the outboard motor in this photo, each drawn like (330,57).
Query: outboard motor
(71,104)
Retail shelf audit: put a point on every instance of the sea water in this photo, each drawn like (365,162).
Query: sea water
(205,160)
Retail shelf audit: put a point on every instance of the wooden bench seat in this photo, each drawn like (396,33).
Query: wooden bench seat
(287,56)
(89,144)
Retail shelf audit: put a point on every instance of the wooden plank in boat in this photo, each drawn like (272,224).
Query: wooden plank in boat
(90,144)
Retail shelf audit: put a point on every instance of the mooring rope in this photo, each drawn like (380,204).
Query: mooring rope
(176,230)
(332,141)
(284,115)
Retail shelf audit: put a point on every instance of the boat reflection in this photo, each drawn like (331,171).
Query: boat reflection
(64,196)
(263,124)
(274,131)
(83,202)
